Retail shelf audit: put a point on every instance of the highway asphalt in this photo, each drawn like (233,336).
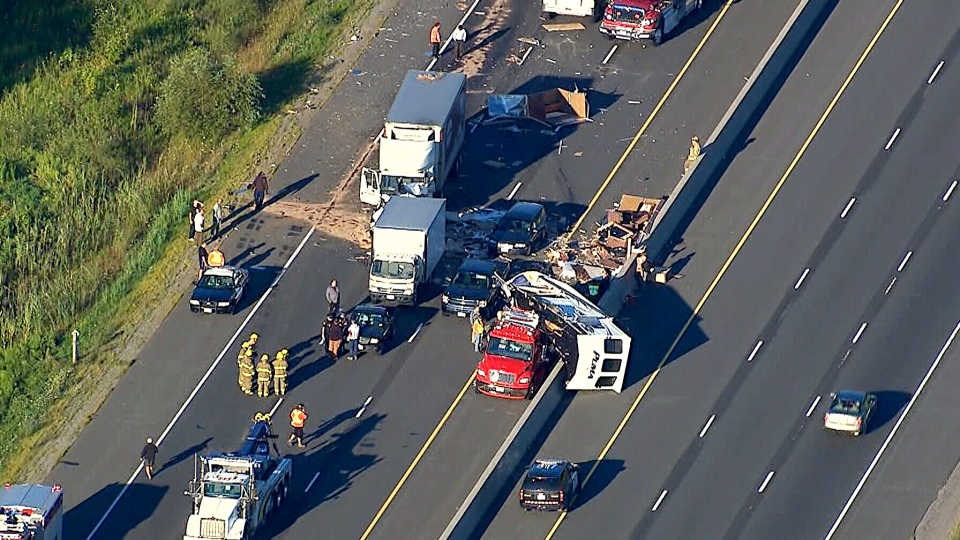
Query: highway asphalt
(757,408)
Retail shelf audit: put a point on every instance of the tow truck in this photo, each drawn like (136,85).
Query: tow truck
(235,493)
(31,512)
(634,20)
(547,321)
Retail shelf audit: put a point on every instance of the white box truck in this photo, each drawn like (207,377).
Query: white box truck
(409,238)
(577,8)
(421,138)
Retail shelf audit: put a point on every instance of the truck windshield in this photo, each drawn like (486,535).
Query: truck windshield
(510,349)
(627,14)
(391,270)
(471,280)
(222,490)
(389,184)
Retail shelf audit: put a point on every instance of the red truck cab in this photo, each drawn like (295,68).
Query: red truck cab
(634,20)
(513,363)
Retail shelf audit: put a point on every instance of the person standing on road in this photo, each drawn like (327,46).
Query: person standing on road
(247,371)
(215,258)
(693,154)
(260,188)
(475,316)
(280,373)
(203,257)
(353,339)
(334,338)
(435,39)
(459,37)
(193,214)
(148,455)
(298,417)
(217,218)
(333,298)
(477,334)
(264,376)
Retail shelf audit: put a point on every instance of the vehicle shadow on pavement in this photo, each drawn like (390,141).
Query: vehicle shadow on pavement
(494,154)
(339,460)
(653,317)
(260,280)
(188,453)
(889,405)
(697,18)
(407,321)
(735,137)
(607,470)
(82,518)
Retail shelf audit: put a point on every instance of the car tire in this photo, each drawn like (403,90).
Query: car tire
(658,34)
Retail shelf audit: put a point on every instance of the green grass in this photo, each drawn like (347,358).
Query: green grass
(95,183)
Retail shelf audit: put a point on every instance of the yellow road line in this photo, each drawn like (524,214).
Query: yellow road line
(416,460)
(733,255)
(646,124)
(603,186)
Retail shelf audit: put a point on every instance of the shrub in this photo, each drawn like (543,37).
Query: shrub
(204,98)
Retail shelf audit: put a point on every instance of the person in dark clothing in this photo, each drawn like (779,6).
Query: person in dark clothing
(333,298)
(194,206)
(203,255)
(148,455)
(334,338)
(260,187)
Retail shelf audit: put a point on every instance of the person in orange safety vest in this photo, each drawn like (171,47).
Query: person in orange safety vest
(298,417)
(215,258)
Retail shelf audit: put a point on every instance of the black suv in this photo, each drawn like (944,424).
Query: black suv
(477,283)
(550,484)
(376,327)
(520,230)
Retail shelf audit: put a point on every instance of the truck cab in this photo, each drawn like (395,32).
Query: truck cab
(634,20)
(31,512)
(235,493)
(409,238)
(514,362)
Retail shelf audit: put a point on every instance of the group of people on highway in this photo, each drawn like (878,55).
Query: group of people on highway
(264,370)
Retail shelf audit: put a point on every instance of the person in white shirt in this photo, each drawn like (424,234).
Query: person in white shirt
(459,40)
(198,224)
(353,339)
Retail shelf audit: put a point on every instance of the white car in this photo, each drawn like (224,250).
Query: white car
(850,411)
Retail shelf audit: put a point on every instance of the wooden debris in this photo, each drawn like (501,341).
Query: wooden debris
(563,27)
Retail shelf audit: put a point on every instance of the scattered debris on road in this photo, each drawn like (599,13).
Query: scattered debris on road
(563,27)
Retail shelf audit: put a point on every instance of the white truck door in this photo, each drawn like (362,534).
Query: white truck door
(370,187)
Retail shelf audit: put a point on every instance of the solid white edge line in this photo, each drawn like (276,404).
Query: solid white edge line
(656,505)
(754,352)
(766,481)
(446,43)
(514,192)
(896,133)
(803,276)
(415,332)
(863,327)
(893,432)
(903,263)
(275,407)
(609,54)
(935,73)
(949,192)
(813,406)
(707,425)
(848,207)
(310,485)
(196,389)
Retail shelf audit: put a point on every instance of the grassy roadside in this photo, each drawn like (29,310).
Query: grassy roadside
(113,280)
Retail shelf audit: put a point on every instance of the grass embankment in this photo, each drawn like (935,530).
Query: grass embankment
(113,116)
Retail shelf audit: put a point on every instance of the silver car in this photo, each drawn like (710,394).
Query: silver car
(850,411)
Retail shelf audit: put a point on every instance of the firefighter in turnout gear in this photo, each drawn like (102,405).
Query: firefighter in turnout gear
(246,373)
(280,373)
(264,375)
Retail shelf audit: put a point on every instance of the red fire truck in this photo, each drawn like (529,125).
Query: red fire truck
(517,357)
(634,20)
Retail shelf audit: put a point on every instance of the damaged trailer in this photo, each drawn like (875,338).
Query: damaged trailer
(555,108)
(593,348)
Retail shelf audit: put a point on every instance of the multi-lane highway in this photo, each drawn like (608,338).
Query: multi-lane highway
(805,308)
(181,389)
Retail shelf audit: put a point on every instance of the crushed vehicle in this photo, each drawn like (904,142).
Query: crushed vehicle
(476,284)
(419,148)
(235,493)
(634,20)
(554,108)
(31,512)
(520,231)
(409,239)
(549,321)
(219,290)
(376,327)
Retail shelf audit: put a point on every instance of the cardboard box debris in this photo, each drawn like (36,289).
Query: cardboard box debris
(556,107)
